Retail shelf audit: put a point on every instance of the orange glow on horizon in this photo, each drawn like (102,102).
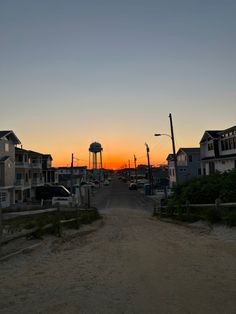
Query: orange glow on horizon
(114,162)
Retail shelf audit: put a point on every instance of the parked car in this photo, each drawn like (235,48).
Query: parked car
(106,182)
(47,192)
(133,186)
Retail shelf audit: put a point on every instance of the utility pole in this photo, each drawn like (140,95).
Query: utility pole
(72,166)
(173,145)
(129,169)
(149,168)
(135,168)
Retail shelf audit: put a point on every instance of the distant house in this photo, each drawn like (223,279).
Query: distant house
(50,174)
(218,150)
(160,177)
(8,142)
(188,165)
(66,175)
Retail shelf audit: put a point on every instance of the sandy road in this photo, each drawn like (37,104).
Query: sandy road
(132,264)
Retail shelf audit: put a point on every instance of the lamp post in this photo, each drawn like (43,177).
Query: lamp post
(173,146)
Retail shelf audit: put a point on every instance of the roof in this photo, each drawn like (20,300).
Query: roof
(213,134)
(190,150)
(45,156)
(233,128)
(4,158)
(20,150)
(10,135)
(170,157)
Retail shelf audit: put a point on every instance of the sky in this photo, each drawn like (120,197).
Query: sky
(77,71)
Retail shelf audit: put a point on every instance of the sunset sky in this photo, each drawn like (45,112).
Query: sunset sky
(77,71)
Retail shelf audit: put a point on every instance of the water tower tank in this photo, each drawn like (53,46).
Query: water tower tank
(95,148)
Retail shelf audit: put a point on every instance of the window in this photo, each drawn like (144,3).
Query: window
(210,146)
(3,197)
(211,167)
(190,158)
(6,147)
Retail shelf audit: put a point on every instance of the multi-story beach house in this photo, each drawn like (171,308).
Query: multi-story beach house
(188,165)
(33,169)
(218,150)
(8,142)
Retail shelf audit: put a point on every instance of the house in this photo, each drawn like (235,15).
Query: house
(171,170)
(8,142)
(22,175)
(32,169)
(218,150)
(188,165)
(50,174)
(68,176)
(160,177)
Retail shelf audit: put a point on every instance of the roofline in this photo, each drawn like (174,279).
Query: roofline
(11,132)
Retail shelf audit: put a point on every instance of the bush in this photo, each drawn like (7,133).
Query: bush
(207,189)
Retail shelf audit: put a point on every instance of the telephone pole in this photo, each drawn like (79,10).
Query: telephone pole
(149,168)
(173,145)
(129,169)
(135,168)
(71,168)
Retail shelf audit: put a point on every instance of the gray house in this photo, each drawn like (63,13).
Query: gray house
(188,165)
(8,142)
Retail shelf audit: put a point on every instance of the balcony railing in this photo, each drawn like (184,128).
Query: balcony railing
(22,164)
(36,165)
(37,181)
(21,183)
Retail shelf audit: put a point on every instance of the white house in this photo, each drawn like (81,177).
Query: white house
(218,150)
(8,142)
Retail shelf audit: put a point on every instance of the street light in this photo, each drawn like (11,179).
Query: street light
(174,152)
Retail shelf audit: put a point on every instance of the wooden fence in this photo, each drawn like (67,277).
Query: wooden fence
(25,214)
(162,209)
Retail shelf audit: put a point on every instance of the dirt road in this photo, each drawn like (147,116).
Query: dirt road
(132,264)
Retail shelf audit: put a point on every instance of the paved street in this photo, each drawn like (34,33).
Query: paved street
(131,264)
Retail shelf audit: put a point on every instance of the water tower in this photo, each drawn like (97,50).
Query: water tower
(94,149)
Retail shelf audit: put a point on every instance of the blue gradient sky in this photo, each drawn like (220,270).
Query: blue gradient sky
(77,71)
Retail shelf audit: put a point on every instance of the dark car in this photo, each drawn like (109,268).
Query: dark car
(133,186)
(47,192)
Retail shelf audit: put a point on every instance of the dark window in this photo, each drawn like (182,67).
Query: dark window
(210,146)
(190,158)
(211,167)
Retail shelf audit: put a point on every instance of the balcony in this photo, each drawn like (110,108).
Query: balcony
(22,164)
(36,165)
(37,181)
(21,183)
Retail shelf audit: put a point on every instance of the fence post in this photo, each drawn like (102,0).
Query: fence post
(217,203)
